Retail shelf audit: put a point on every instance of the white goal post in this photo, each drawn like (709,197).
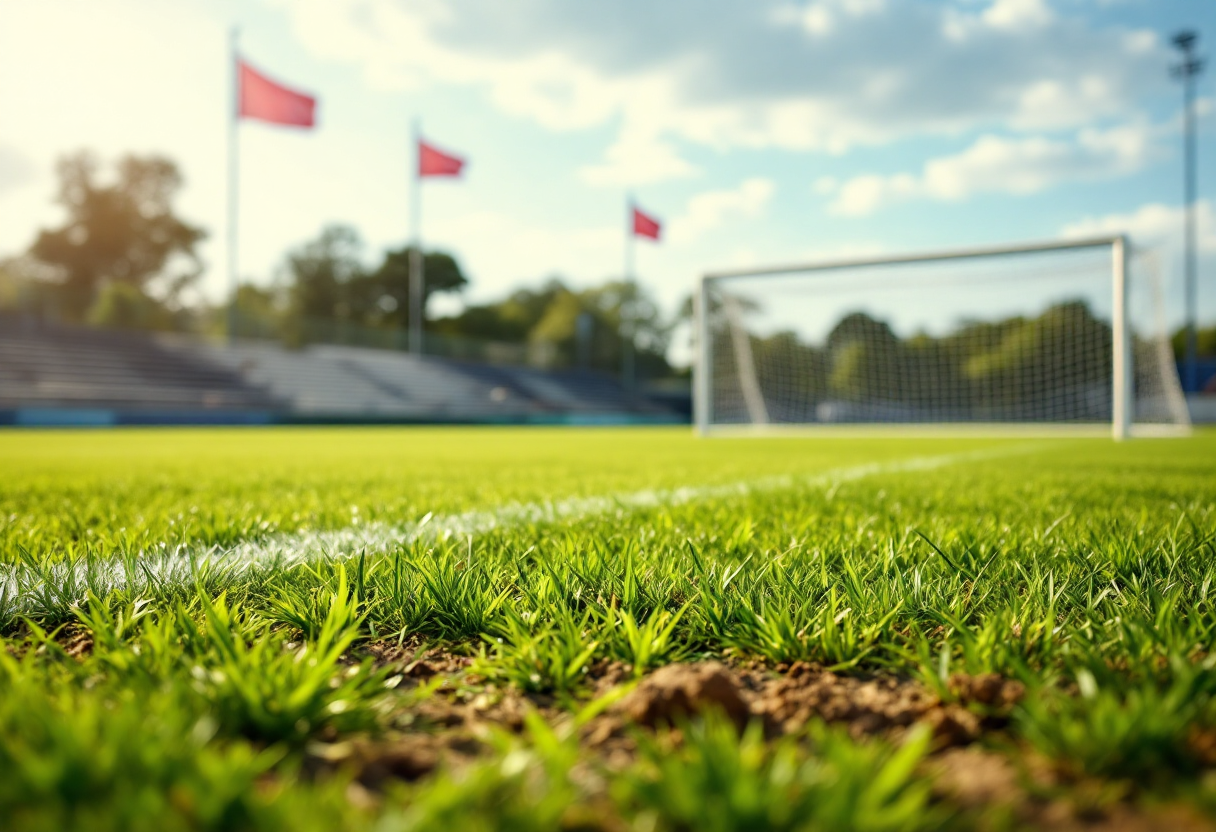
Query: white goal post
(1066,335)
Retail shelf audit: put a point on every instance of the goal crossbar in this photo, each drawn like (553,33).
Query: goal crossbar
(919,257)
(1121,340)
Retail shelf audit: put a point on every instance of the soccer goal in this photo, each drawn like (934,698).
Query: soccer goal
(1061,336)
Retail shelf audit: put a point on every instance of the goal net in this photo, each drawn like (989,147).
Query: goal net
(1058,334)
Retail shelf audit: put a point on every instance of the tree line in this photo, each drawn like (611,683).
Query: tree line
(1057,363)
(124,258)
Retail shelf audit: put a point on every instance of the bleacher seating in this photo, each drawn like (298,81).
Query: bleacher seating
(58,366)
(326,380)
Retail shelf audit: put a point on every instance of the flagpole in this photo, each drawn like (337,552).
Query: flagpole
(417,263)
(233,179)
(626,311)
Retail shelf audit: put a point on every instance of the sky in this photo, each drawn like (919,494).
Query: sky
(758,131)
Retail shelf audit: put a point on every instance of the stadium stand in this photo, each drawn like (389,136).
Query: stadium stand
(47,366)
(49,372)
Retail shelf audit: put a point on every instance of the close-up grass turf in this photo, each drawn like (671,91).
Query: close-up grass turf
(244,629)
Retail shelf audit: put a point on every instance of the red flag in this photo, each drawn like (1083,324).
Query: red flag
(266,100)
(434,162)
(645,226)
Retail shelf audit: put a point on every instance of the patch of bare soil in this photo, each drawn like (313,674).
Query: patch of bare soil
(682,690)
(408,757)
(885,704)
(415,659)
(74,639)
(451,726)
(786,700)
(998,791)
(1001,792)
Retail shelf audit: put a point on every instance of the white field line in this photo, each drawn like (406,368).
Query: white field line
(26,589)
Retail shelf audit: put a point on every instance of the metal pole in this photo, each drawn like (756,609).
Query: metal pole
(233,181)
(1121,390)
(1192,364)
(628,369)
(702,375)
(1190,67)
(416,262)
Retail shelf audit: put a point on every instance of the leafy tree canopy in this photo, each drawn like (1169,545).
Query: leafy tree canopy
(567,327)
(123,232)
(327,280)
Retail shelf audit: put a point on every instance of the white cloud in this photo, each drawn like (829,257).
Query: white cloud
(1049,104)
(511,251)
(16,169)
(1156,233)
(819,18)
(824,76)
(1009,18)
(77,76)
(637,159)
(1141,40)
(712,209)
(997,164)
(1017,15)
(864,194)
(1153,225)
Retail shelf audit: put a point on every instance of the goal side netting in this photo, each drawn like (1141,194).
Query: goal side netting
(1058,334)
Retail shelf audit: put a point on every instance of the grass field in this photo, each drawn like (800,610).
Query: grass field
(416,629)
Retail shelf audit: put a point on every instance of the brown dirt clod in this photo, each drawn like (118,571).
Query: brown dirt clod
(877,705)
(415,660)
(452,727)
(683,690)
(989,689)
(972,777)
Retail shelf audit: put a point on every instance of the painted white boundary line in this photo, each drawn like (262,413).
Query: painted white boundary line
(24,589)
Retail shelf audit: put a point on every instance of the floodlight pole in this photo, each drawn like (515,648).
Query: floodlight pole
(1190,67)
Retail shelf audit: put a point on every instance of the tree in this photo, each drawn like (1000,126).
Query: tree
(332,294)
(319,271)
(382,297)
(1047,356)
(555,335)
(125,232)
(509,320)
(782,360)
(123,306)
(1205,342)
(260,312)
(547,319)
(858,327)
(10,286)
(620,302)
(865,358)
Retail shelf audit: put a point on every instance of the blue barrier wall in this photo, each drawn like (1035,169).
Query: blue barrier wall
(1207,372)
